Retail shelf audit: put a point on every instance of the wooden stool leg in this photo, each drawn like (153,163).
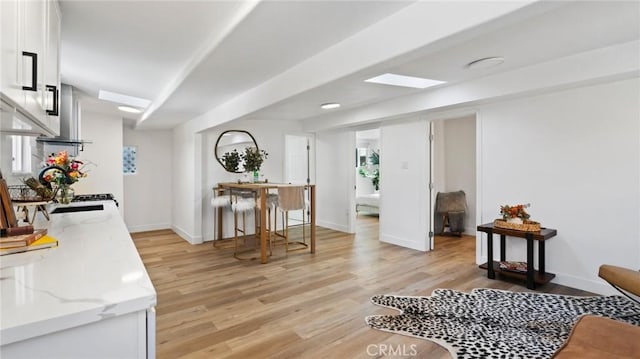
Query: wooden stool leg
(235,229)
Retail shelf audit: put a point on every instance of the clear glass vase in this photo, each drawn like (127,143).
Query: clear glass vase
(65,194)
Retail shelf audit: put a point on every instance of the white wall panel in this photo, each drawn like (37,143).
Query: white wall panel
(575,155)
(148,192)
(105,151)
(183,181)
(335,191)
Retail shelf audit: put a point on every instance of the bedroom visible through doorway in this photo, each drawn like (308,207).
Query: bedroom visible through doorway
(367,180)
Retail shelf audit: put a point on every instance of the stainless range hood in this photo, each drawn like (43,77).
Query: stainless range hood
(69,121)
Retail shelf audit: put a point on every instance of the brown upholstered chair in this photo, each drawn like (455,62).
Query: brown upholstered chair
(623,279)
(603,338)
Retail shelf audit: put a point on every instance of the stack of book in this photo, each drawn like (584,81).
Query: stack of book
(14,238)
(26,242)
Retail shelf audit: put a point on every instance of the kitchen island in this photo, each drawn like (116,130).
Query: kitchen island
(90,297)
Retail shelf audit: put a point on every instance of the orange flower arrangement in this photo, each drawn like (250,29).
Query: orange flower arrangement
(517,211)
(63,171)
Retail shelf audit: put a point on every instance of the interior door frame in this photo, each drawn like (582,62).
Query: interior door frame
(310,162)
(311,155)
(430,185)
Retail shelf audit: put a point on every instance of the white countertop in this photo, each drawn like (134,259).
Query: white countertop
(95,273)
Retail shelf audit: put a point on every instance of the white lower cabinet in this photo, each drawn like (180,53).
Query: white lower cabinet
(125,336)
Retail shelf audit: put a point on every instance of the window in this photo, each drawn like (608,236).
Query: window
(129,160)
(21,154)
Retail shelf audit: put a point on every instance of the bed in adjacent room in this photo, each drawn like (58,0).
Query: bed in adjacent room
(368,202)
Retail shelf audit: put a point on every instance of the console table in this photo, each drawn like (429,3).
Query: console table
(532,276)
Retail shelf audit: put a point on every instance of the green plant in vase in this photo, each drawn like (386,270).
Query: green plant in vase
(375,174)
(231,161)
(253,158)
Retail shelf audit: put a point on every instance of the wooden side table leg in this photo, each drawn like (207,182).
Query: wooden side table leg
(490,272)
(43,209)
(35,212)
(530,270)
(503,248)
(541,268)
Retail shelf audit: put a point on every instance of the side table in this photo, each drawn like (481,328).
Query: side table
(532,276)
(38,207)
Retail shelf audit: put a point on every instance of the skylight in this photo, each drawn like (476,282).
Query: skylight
(404,81)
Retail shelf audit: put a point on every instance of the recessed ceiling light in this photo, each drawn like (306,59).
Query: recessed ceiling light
(404,81)
(124,99)
(129,109)
(329,106)
(485,63)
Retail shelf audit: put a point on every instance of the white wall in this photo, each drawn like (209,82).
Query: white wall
(148,206)
(404,200)
(186,179)
(270,137)
(575,155)
(105,151)
(335,205)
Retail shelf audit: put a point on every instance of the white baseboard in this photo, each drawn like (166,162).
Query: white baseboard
(598,286)
(334,226)
(403,242)
(186,236)
(148,227)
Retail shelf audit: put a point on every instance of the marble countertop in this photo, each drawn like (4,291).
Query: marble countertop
(95,273)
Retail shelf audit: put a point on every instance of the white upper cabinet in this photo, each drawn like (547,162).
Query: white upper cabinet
(30,59)
(52,67)
(33,18)
(10,80)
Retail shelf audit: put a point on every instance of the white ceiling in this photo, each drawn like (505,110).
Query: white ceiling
(191,57)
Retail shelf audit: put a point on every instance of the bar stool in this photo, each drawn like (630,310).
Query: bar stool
(241,203)
(291,198)
(271,204)
(219,202)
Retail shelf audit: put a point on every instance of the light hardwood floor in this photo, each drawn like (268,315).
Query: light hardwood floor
(211,305)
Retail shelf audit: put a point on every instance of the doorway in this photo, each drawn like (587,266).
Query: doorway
(454,167)
(299,168)
(367,172)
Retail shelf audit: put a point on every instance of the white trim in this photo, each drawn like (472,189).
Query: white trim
(333,226)
(148,227)
(186,236)
(420,246)
(479,187)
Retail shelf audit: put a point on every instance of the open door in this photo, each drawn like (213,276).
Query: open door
(405,167)
(299,165)
(453,165)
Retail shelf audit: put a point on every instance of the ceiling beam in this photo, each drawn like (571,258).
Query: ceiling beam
(411,28)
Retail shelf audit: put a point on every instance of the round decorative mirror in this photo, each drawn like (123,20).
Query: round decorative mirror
(230,145)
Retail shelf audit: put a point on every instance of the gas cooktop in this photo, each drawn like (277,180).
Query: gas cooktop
(94,197)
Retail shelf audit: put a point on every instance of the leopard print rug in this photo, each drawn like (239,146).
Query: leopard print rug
(489,323)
